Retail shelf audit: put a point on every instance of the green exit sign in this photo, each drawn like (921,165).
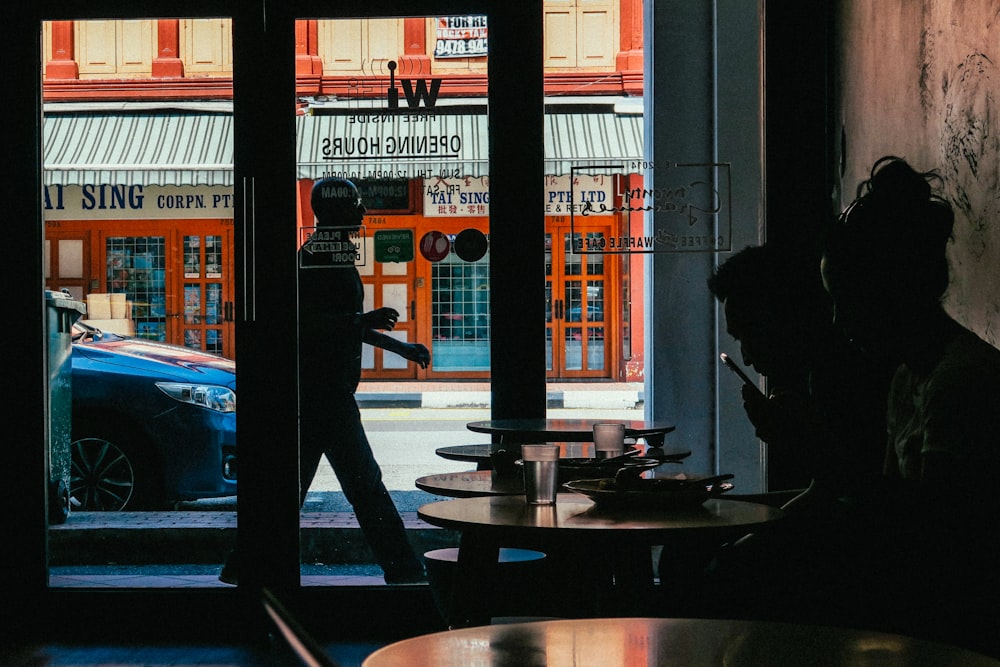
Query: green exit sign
(394,245)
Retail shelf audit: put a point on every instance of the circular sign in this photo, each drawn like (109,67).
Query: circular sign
(434,246)
(471,244)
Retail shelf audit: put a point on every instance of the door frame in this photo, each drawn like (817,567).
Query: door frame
(264,53)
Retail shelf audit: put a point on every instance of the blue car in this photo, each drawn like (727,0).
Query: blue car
(152,423)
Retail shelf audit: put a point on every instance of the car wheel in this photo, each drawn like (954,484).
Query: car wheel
(109,474)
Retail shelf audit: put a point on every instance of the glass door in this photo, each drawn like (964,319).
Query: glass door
(138,211)
(263,188)
(383,284)
(577,285)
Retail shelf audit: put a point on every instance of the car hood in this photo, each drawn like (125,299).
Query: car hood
(168,361)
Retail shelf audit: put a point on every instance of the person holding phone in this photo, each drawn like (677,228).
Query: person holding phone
(823,415)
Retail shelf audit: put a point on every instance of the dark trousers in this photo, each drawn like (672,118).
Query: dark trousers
(331,425)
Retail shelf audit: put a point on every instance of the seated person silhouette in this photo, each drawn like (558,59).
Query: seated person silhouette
(823,417)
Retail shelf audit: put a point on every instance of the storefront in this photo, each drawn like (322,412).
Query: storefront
(122,188)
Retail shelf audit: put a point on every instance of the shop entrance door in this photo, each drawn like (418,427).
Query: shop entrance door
(206,317)
(67,262)
(389,285)
(576,298)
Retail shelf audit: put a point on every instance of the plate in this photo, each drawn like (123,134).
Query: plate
(659,493)
(574,469)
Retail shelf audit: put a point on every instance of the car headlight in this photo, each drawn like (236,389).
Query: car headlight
(211,396)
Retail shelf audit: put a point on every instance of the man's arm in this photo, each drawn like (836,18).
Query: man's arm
(412,351)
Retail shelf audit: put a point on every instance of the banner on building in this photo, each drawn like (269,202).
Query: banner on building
(461,37)
(470,197)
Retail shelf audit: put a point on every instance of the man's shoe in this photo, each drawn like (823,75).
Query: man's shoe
(230,573)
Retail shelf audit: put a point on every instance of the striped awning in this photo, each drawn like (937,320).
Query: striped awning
(138,148)
(414,146)
(196,148)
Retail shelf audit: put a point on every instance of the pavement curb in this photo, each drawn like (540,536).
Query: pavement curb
(158,538)
(612,399)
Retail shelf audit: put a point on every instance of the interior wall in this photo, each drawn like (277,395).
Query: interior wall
(703,87)
(919,80)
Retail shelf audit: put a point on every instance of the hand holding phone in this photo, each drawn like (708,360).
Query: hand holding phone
(734,367)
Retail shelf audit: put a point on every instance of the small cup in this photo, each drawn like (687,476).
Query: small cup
(609,440)
(541,473)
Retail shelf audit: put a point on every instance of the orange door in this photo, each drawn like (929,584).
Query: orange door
(67,261)
(578,295)
(202,318)
(389,285)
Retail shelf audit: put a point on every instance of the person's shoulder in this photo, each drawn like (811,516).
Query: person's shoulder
(970,365)
(968,349)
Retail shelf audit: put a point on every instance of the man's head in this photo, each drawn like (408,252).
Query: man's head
(337,203)
(773,301)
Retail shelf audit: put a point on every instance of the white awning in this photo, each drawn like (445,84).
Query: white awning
(164,148)
(196,148)
(403,146)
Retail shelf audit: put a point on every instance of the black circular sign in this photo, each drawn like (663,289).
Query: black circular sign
(471,244)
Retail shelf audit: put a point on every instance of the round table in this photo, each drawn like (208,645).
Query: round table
(605,545)
(613,642)
(522,431)
(481,454)
(471,484)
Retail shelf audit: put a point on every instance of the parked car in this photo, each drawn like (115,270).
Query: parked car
(152,423)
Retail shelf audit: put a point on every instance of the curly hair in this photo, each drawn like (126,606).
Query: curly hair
(895,232)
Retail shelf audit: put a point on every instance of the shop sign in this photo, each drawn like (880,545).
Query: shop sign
(394,245)
(456,197)
(434,246)
(115,201)
(466,197)
(331,247)
(385,194)
(461,37)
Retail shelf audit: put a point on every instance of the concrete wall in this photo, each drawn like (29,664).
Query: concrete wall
(920,79)
(703,93)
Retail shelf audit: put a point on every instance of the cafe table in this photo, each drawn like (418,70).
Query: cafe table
(480,453)
(471,484)
(651,642)
(540,430)
(606,553)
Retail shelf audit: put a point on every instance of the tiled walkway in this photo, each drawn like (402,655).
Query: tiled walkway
(88,549)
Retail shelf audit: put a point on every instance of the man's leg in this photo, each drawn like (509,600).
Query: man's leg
(351,457)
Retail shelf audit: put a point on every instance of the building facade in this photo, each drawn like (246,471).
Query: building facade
(139,187)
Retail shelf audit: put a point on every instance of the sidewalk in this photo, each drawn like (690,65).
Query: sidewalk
(462,394)
(193,536)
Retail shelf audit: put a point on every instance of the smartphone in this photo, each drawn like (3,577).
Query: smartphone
(734,367)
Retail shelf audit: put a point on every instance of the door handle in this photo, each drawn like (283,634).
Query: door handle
(413,311)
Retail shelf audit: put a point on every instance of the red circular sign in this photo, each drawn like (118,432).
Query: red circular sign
(434,246)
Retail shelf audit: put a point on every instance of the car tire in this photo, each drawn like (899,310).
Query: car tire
(112,471)
(58,502)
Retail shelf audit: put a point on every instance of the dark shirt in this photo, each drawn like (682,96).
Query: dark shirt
(331,299)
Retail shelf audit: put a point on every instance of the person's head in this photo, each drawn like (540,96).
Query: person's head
(337,203)
(774,302)
(884,259)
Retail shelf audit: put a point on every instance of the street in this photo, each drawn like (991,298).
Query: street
(404,440)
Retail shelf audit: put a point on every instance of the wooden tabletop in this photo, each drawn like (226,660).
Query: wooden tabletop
(573,430)
(603,553)
(471,484)
(613,642)
(576,514)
